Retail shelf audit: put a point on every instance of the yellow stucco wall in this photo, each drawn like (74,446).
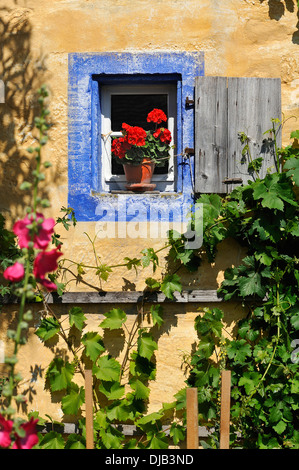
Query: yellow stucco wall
(238,37)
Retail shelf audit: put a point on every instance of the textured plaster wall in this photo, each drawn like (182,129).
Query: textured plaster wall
(238,37)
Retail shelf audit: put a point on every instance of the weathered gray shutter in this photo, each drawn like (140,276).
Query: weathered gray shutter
(225,107)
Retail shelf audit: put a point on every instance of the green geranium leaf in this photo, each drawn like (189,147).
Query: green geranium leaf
(114,319)
(77,317)
(94,345)
(48,328)
(107,369)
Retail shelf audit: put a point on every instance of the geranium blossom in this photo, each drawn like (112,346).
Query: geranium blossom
(14,273)
(30,439)
(41,239)
(46,262)
(120,146)
(164,134)
(134,135)
(157,116)
(5,431)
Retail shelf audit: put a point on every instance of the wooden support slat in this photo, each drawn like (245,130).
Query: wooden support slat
(192,418)
(89,409)
(225,409)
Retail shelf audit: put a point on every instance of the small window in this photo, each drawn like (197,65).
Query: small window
(131,104)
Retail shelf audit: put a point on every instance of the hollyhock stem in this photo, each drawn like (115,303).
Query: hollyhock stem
(28,253)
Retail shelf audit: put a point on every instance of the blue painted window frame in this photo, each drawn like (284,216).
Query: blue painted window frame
(86,73)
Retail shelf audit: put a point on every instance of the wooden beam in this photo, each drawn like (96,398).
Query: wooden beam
(124,297)
(192,418)
(225,409)
(89,409)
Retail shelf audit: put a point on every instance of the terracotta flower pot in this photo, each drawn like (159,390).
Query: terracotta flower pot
(139,177)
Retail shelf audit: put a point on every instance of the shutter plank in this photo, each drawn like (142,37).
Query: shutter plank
(210,134)
(252,103)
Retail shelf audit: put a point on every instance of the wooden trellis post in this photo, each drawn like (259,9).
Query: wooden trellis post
(225,409)
(89,409)
(192,418)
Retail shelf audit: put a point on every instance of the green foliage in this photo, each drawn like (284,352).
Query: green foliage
(121,389)
(262,216)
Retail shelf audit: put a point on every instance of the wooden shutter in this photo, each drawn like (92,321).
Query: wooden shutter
(225,107)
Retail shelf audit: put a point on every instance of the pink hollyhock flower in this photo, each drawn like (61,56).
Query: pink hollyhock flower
(14,273)
(41,239)
(30,439)
(45,262)
(5,430)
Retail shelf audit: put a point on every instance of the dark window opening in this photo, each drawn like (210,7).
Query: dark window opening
(133,110)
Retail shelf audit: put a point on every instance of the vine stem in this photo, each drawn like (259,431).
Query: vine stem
(274,351)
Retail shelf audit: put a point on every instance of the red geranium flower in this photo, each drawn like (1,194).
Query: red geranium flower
(157,116)
(164,134)
(14,273)
(41,239)
(134,135)
(120,146)
(30,439)
(5,430)
(45,262)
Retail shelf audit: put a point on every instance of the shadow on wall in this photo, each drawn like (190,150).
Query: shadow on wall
(22,74)
(277,9)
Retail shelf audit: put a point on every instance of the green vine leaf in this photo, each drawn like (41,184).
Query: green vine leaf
(157,314)
(60,374)
(171,284)
(239,350)
(107,369)
(94,345)
(75,441)
(149,256)
(177,433)
(71,403)
(52,440)
(77,317)
(112,390)
(146,345)
(293,166)
(250,381)
(141,391)
(114,319)
(48,328)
